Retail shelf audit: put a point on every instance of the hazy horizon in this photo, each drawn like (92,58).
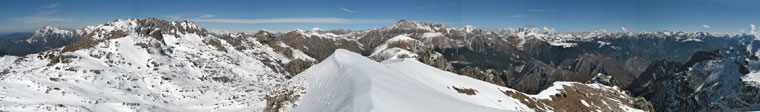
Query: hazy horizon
(245,16)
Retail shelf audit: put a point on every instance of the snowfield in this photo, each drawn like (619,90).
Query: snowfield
(180,71)
(752,77)
(349,82)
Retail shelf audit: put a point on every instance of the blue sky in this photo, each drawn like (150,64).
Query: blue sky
(248,15)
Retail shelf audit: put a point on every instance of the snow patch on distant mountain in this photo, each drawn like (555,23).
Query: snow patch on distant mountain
(431,35)
(755,77)
(399,38)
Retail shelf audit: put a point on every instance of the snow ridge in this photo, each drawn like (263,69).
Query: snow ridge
(347,81)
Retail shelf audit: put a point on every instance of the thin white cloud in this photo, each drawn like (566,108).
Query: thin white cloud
(44,15)
(518,16)
(538,10)
(752,29)
(48,10)
(188,15)
(705,26)
(299,20)
(623,29)
(33,19)
(426,6)
(347,10)
(206,15)
(173,16)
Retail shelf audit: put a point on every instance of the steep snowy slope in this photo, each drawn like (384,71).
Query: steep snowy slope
(347,81)
(148,65)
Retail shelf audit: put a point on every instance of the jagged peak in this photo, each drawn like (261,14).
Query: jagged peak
(152,23)
(45,32)
(315,29)
(50,29)
(409,24)
(403,21)
(264,33)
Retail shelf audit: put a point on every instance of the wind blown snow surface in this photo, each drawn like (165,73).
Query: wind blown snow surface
(347,81)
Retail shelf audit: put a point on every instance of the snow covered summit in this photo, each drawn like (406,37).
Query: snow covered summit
(347,81)
(149,65)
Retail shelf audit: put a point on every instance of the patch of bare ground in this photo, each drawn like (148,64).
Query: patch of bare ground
(88,41)
(572,98)
(216,43)
(468,91)
(284,97)
(274,103)
(4,72)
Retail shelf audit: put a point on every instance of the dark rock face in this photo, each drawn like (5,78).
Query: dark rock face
(709,81)
(317,47)
(154,25)
(243,42)
(657,72)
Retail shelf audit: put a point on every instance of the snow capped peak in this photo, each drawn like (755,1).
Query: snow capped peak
(404,24)
(343,55)
(400,38)
(315,29)
(319,33)
(46,32)
(403,21)
(49,29)
(469,28)
(388,86)
(263,32)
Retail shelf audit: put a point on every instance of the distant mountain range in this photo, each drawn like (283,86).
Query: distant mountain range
(42,39)
(153,64)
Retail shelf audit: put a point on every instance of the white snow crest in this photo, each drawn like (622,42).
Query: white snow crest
(347,81)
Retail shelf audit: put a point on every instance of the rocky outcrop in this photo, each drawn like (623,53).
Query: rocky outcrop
(709,81)
(414,49)
(580,97)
